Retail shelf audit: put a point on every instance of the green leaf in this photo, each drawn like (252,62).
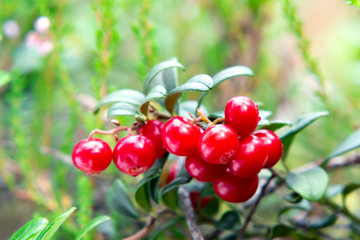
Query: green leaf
(280,230)
(143,188)
(118,200)
(324,222)
(156,92)
(128,96)
(4,78)
(227,73)
(92,224)
(275,125)
(198,83)
(334,190)
(350,143)
(122,109)
(310,184)
(264,114)
(170,199)
(229,221)
(164,226)
(347,190)
(173,63)
(300,124)
(170,78)
(51,228)
(30,229)
(190,106)
(182,178)
(293,197)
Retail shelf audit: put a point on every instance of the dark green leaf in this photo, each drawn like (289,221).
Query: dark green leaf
(170,199)
(275,125)
(173,63)
(219,114)
(300,124)
(350,143)
(142,197)
(229,221)
(190,107)
(4,78)
(92,224)
(122,109)
(324,222)
(227,73)
(211,208)
(118,200)
(124,96)
(347,190)
(280,230)
(198,83)
(157,92)
(30,229)
(310,184)
(293,197)
(51,228)
(181,179)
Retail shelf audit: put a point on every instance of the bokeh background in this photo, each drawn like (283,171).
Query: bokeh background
(64,56)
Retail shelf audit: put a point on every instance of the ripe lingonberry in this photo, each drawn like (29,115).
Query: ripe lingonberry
(180,136)
(242,114)
(274,145)
(218,144)
(168,173)
(92,155)
(152,130)
(201,170)
(204,201)
(134,154)
(250,158)
(233,189)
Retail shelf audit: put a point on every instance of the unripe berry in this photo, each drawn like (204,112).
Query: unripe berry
(250,158)
(234,189)
(242,115)
(92,155)
(180,136)
(134,154)
(152,130)
(201,170)
(274,145)
(218,144)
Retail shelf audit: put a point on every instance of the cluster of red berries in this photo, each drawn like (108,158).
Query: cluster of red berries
(219,156)
(230,155)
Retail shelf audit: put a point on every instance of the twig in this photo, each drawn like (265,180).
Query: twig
(254,207)
(189,214)
(144,231)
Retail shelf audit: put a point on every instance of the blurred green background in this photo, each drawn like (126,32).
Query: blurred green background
(305,56)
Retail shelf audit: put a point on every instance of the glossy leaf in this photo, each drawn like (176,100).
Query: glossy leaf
(350,143)
(157,92)
(128,96)
(91,225)
(300,124)
(122,109)
(143,188)
(218,114)
(30,229)
(280,230)
(118,200)
(227,73)
(173,63)
(190,106)
(230,220)
(4,78)
(324,222)
(211,208)
(310,184)
(170,198)
(51,228)
(164,226)
(275,125)
(198,83)
(181,179)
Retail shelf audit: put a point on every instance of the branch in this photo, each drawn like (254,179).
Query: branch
(144,231)
(189,214)
(254,207)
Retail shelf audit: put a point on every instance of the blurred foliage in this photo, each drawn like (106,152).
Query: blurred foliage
(304,57)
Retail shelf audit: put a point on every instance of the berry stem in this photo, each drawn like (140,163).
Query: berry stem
(109,132)
(204,118)
(218,120)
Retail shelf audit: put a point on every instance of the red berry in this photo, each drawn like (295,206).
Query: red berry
(204,201)
(168,174)
(234,189)
(134,154)
(274,145)
(242,114)
(201,170)
(180,136)
(152,130)
(218,144)
(250,158)
(92,156)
